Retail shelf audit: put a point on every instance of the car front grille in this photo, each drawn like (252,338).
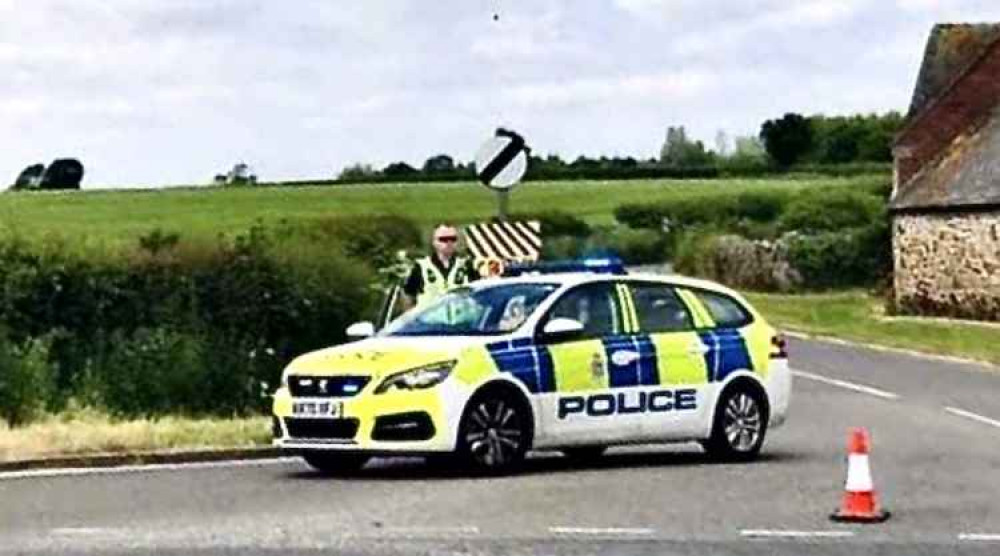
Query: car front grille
(321,429)
(327,386)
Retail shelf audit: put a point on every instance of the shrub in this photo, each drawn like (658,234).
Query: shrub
(634,246)
(196,305)
(26,380)
(720,211)
(830,210)
(370,237)
(857,257)
(760,206)
(556,223)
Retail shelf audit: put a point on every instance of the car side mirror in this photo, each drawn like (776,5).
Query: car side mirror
(361,330)
(562,329)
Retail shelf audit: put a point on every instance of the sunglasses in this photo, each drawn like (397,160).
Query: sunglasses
(447,239)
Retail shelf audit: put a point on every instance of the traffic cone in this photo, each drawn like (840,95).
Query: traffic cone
(860,503)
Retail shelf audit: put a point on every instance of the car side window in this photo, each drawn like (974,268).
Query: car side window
(660,309)
(725,311)
(594,305)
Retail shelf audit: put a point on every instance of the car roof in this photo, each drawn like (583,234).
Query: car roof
(576,278)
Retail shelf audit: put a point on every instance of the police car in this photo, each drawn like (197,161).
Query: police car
(573,359)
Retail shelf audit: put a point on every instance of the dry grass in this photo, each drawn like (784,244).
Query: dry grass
(80,432)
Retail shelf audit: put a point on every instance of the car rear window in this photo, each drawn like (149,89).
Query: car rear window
(725,311)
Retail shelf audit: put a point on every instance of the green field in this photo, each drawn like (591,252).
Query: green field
(120,216)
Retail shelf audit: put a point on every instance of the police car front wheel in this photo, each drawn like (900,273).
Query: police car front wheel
(739,426)
(495,432)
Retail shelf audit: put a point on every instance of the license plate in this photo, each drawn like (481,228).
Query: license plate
(320,409)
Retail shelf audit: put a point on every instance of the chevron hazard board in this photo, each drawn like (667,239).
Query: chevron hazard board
(495,244)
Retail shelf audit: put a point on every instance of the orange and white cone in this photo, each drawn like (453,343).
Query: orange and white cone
(860,503)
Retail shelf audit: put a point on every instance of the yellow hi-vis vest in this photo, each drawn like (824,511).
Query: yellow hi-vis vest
(436,283)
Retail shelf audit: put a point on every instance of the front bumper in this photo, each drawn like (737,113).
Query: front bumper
(418,421)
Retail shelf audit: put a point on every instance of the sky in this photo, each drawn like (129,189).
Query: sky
(169,92)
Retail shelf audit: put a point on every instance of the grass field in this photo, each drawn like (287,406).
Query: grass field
(120,216)
(860,317)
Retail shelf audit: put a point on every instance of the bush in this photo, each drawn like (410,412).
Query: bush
(556,223)
(26,380)
(857,257)
(634,246)
(370,237)
(719,211)
(196,306)
(830,210)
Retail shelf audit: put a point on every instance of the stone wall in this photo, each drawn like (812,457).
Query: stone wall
(948,264)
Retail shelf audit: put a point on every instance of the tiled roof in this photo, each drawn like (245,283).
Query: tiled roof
(950,50)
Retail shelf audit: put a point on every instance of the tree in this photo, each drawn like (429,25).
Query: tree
(440,164)
(63,173)
(748,153)
(788,139)
(680,152)
(721,143)
(29,178)
(358,172)
(399,170)
(241,174)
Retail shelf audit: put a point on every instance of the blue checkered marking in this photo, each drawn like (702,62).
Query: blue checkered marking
(528,363)
(639,372)
(727,352)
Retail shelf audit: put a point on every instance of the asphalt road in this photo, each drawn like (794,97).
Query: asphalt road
(936,460)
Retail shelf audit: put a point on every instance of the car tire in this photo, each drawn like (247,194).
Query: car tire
(584,453)
(334,463)
(495,433)
(739,426)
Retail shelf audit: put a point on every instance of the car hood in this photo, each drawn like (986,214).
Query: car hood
(379,357)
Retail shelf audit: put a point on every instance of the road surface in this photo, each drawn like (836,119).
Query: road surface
(935,427)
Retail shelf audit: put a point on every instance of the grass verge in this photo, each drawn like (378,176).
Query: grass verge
(860,317)
(86,432)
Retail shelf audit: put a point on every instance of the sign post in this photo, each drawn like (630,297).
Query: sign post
(501,164)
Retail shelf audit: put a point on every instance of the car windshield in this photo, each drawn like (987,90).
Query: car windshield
(480,311)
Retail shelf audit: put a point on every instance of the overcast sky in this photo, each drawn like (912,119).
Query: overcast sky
(153,92)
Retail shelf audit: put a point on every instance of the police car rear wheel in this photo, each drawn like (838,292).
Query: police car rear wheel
(495,433)
(333,462)
(739,427)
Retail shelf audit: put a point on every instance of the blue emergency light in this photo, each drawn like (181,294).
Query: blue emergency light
(604,264)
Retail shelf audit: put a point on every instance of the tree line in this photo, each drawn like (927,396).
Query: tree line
(782,144)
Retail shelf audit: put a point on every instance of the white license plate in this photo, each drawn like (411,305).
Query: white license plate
(319,409)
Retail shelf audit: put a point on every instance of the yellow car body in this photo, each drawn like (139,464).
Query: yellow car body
(654,373)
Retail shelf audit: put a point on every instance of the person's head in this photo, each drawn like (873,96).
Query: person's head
(445,240)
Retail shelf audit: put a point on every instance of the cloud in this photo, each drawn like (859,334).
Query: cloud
(301,89)
(636,88)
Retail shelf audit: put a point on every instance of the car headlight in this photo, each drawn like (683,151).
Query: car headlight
(418,378)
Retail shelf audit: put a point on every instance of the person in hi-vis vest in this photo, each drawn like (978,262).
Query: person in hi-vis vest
(440,271)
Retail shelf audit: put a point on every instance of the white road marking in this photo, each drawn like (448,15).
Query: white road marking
(429,531)
(973,416)
(73,472)
(782,534)
(601,531)
(847,385)
(87,532)
(979,537)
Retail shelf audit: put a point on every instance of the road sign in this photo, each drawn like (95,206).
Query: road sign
(502,160)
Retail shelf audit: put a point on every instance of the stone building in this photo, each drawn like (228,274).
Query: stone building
(946,186)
